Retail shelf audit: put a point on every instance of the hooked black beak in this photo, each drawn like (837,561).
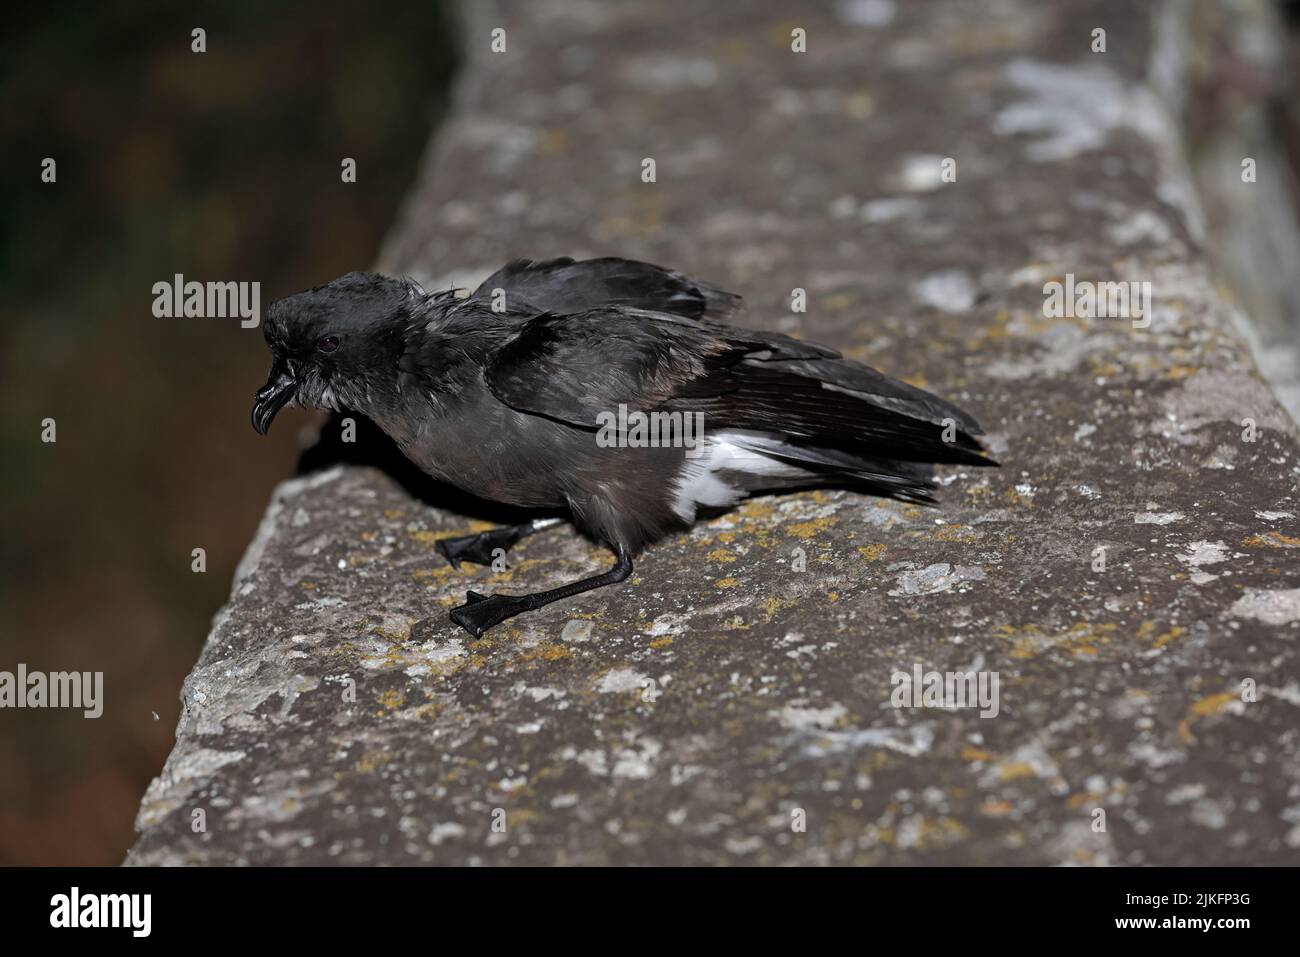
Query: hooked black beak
(272,397)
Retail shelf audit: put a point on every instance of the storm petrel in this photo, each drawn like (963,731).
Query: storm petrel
(615,391)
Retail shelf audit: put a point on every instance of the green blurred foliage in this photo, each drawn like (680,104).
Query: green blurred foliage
(222,166)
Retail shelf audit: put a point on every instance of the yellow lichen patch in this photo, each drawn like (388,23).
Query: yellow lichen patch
(872,552)
(770,606)
(392,700)
(310,586)
(832,596)
(430,710)
(370,761)
(726,583)
(861,104)
(992,808)
(401,633)
(662,642)
(547,651)
(394,513)
(1173,634)
(998,329)
(911,512)
(838,302)
(726,538)
(439,573)
(1201,709)
(1015,769)
(1014,498)
(972,753)
(1076,801)
(554,142)
(756,510)
(954,533)
(521,815)
(1180,372)
(721,555)
(1270,540)
(917,379)
(806,530)
(1081,640)
(940,833)
(369,536)
(426,537)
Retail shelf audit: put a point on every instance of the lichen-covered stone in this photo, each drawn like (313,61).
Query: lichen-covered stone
(720,699)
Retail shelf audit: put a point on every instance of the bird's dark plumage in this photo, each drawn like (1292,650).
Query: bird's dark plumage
(510,392)
(564,286)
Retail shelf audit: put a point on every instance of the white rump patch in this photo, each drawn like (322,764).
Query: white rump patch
(700,483)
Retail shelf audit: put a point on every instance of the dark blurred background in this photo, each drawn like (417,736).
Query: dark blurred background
(222,166)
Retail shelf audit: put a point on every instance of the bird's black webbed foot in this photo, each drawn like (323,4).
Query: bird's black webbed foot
(481,612)
(479,548)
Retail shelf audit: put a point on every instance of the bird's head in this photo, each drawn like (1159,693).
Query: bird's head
(332,345)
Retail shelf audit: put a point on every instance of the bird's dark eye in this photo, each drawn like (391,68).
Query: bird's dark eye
(327,343)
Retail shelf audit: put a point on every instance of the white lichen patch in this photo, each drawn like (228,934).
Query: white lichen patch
(866,13)
(890,208)
(921,172)
(1073,109)
(799,716)
(622,680)
(951,290)
(1204,553)
(1157,518)
(1279,606)
(939,577)
(577,630)
(913,741)
(179,779)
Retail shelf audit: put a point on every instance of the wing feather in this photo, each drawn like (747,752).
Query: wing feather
(566,286)
(573,368)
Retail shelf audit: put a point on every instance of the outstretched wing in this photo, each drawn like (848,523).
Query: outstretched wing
(573,368)
(565,286)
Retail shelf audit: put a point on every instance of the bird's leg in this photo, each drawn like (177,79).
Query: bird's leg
(479,548)
(481,612)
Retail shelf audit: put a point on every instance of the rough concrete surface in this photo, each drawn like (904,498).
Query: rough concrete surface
(702,711)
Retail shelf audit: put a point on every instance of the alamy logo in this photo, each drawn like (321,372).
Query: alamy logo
(103,910)
(947,690)
(1098,300)
(653,430)
(57,689)
(179,299)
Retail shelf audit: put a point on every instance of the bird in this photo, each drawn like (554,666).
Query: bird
(617,393)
